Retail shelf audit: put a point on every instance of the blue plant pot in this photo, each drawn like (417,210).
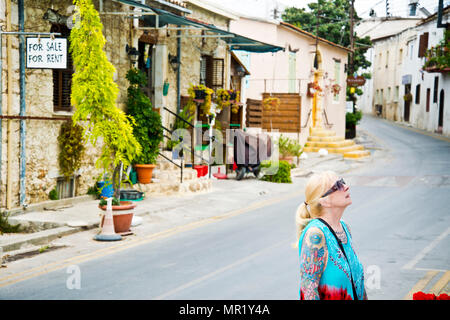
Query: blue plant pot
(106,191)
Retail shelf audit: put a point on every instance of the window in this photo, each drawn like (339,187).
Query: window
(428,99)
(400,56)
(387,58)
(212,72)
(379,60)
(435,89)
(62,78)
(388,98)
(417,94)
(382,96)
(423,45)
(397,92)
(377,97)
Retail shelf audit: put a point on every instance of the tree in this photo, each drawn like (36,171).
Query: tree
(94,92)
(331,19)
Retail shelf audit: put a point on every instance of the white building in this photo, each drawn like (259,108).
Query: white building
(397,57)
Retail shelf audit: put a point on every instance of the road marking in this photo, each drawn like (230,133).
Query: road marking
(419,286)
(214,273)
(37,271)
(441,283)
(425,250)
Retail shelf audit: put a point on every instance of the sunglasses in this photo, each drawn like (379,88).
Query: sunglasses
(338,185)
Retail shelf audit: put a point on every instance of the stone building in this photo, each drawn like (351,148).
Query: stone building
(177,41)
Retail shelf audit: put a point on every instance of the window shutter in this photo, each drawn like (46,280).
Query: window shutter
(217,74)
(423,44)
(209,71)
(62,78)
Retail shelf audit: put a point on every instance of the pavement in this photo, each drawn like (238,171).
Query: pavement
(48,222)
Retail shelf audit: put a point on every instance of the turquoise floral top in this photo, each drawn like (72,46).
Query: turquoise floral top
(335,282)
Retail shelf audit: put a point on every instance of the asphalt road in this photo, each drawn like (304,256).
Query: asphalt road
(399,219)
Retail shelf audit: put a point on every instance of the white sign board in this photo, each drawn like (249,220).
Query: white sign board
(349,106)
(46,53)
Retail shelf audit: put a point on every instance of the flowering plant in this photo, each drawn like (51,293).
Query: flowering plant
(271,103)
(193,92)
(335,89)
(430,296)
(313,87)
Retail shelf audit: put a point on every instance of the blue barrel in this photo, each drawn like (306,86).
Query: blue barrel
(105,191)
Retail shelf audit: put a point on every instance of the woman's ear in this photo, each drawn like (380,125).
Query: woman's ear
(325,202)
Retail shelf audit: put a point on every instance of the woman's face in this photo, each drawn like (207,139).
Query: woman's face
(341,197)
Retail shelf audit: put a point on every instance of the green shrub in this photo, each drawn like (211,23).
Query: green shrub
(5,227)
(353,118)
(71,146)
(53,194)
(115,202)
(148,129)
(283,175)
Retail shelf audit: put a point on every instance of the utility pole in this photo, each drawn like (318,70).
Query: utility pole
(352,45)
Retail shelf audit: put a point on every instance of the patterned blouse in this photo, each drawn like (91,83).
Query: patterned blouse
(335,282)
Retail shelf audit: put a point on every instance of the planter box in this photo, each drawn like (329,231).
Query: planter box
(437,70)
(350,132)
(201,170)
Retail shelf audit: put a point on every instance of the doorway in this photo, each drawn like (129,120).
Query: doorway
(145,65)
(441,111)
(407,107)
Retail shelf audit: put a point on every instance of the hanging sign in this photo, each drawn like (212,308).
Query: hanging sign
(46,53)
(356,81)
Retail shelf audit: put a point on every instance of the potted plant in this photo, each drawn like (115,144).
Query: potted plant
(123,212)
(313,87)
(271,103)
(335,89)
(94,95)
(351,120)
(437,58)
(148,129)
(408,97)
(235,106)
(289,149)
(203,94)
(223,98)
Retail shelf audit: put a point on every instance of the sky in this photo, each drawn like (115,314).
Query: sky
(262,7)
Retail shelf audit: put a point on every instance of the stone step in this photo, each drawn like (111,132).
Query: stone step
(357,154)
(328,144)
(169,188)
(325,139)
(172,175)
(322,133)
(335,150)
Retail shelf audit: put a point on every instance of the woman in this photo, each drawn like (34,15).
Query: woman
(325,271)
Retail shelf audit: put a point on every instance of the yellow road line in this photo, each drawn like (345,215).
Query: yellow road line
(441,283)
(419,286)
(125,245)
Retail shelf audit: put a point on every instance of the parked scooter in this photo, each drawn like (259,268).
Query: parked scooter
(249,151)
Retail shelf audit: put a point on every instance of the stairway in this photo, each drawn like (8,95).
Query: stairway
(326,139)
(166,180)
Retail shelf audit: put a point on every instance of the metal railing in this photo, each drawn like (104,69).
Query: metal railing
(191,151)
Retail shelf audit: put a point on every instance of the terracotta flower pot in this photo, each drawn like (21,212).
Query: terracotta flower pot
(289,159)
(122,216)
(144,172)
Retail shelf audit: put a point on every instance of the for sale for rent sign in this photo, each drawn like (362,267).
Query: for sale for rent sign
(46,53)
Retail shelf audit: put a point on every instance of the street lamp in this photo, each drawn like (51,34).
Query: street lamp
(133,54)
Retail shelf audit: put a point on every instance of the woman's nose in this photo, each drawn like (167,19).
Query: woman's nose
(346,187)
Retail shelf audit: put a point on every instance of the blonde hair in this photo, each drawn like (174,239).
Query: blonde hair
(316,186)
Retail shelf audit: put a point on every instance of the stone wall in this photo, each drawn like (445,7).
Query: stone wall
(41,135)
(191,51)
